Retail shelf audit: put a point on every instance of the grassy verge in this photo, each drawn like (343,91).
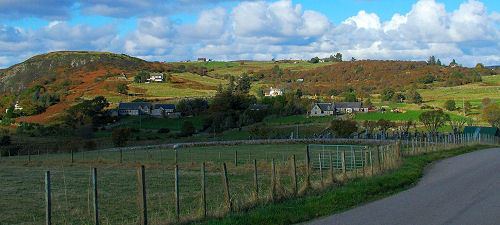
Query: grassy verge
(342,198)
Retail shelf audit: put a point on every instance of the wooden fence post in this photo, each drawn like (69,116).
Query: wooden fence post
(320,167)
(332,175)
(273,180)
(177,198)
(236,158)
(294,176)
(371,162)
(96,202)
(48,200)
(72,156)
(344,168)
(203,191)
(226,189)
(308,168)
(379,161)
(142,188)
(255,180)
(121,155)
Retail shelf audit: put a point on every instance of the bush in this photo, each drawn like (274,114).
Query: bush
(164,131)
(343,128)
(121,136)
(5,140)
(450,105)
(187,129)
(90,145)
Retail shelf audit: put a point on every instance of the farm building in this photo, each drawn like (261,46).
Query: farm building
(156,77)
(145,108)
(326,109)
(134,108)
(162,110)
(476,131)
(273,92)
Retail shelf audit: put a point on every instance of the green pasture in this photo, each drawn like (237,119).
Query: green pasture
(167,90)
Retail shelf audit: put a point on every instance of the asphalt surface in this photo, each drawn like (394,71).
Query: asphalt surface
(461,190)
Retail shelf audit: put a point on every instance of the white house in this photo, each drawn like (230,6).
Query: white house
(273,92)
(134,108)
(162,110)
(156,77)
(326,109)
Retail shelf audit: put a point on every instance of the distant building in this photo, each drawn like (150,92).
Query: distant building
(17,107)
(326,109)
(162,110)
(146,108)
(273,92)
(156,77)
(300,80)
(134,108)
(202,59)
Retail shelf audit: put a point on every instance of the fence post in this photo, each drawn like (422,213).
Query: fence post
(344,168)
(121,155)
(379,160)
(255,180)
(203,191)
(371,161)
(72,156)
(176,155)
(96,205)
(236,158)
(273,180)
(320,167)
(294,175)
(308,168)
(29,155)
(353,164)
(226,189)
(332,176)
(142,186)
(48,200)
(177,199)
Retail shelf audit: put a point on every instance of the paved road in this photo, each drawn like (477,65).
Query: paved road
(459,190)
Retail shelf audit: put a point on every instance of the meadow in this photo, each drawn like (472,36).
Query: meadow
(23,182)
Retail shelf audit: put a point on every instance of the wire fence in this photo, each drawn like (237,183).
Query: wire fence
(188,184)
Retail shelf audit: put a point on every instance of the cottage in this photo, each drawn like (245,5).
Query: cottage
(349,107)
(325,109)
(273,92)
(156,77)
(322,109)
(134,108)
(162,110)
(202,59)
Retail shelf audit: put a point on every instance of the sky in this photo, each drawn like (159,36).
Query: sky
(175,30)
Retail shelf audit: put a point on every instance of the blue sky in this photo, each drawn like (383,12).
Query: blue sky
(172,30)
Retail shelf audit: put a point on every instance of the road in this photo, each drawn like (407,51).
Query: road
(461,190)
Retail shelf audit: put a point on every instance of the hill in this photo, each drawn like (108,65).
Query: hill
(47,84)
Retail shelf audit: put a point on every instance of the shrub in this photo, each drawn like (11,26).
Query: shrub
(187,129)
(343,128)
(450,105)
(121,136)
(164,131)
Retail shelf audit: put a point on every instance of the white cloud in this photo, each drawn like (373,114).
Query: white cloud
(277,29)
(364,20)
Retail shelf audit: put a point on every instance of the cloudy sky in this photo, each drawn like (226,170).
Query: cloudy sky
(172,30)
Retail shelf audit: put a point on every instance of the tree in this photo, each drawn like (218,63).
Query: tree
(384,125)
(453,63)
(338,57)
(141,77)
(433,120)
(370,126)
(427,79)
(353,59)
(5,140)
(343,128)
(192,107)
(467,107)
(413,96)
(368,103)
(398,97)
(121,136)
(479,66)
(491,114)
(243,85)
(439,63)
(431,61)
(350,97)
(122,89)
(387,94)
(187,129)
(450,105)
(314,60)
(457,125)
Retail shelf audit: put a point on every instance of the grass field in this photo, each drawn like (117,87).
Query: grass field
(167,90)
(488,88)
(23,183)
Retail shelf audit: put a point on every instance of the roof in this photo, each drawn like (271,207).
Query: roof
(258,107)
(164,106)
(482,130)
(133,105)
(325,106)
(347,104)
